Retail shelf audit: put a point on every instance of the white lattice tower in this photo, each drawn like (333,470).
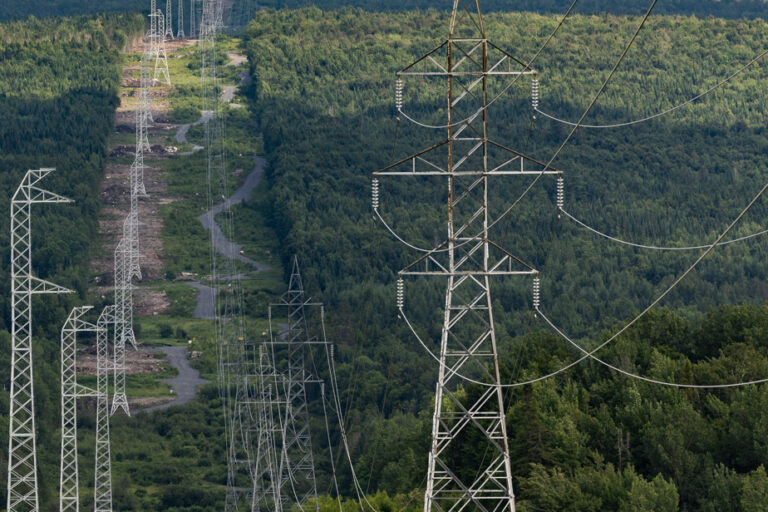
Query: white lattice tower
(157,46)
(169,19)
(267,484)
(125,269)
(297,467)
(471,68)
(193,32)
(229,327)
(143,122)
(102,488)
(153,28)
(69,488)
(22,452)
(180,20)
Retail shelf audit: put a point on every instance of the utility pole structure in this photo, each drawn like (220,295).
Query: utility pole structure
(157,45)
(467,62)
(102,488)
(180,20)
(169,19)
(69,483)
(22,450)
(297,467)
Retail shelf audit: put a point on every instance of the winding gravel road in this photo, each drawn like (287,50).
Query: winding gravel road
(185,384)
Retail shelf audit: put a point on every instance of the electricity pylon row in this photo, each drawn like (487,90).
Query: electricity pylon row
(234,387)
(470,68)
(22,453)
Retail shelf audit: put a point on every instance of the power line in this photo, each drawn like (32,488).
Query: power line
(655,247)
(663,112)
(617,333)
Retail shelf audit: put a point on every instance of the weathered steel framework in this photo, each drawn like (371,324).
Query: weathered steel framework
(467,64)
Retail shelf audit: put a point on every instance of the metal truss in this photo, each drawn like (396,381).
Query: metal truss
(234,366)
(290,347)
(169,19)
(193,31)
(69,488)
(102,488)
(22,454)
(127,253)
(266,474)
(157,44)
(469,66)
(180,20)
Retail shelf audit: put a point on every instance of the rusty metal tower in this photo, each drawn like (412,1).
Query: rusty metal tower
(471,69)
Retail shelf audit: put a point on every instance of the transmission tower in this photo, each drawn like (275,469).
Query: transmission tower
(180,20)
(297,468)
(470,67)
(192,22)
(157,45)
(102,489)
(169,19)
(69,488)
(266,474)
(22,453)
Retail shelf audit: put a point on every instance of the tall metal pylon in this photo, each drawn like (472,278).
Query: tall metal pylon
(71,390)
(22,451)
(266,474)
(102,488)
(157,45)
(297,467)
(234,366)
(193,32)
(180,20)
(169,18)
(127,253)
(471,68)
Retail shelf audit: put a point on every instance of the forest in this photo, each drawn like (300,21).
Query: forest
(58,90)
(323,99)
(719,8)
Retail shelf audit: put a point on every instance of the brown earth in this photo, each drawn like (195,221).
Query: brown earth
(114,195)
(137,362)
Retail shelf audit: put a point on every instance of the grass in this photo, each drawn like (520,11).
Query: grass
(185,243)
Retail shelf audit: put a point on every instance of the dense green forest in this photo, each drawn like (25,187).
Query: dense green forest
(718,8)
(58,93)
(323,98)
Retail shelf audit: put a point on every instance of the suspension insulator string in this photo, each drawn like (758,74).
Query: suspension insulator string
(535,93)
(536,293)
(399,94)
(375,193)
(560,194)
(400,293)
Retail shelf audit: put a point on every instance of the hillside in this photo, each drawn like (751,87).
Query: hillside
(324,101)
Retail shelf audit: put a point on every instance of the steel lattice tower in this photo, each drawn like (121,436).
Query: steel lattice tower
(102,489)
(466,63)
(22,453)
(297,468)
(127,253)
(69,488)
(169,19)
(229,328)
(180,20)
(157,45)
(266,474)
(192,22)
